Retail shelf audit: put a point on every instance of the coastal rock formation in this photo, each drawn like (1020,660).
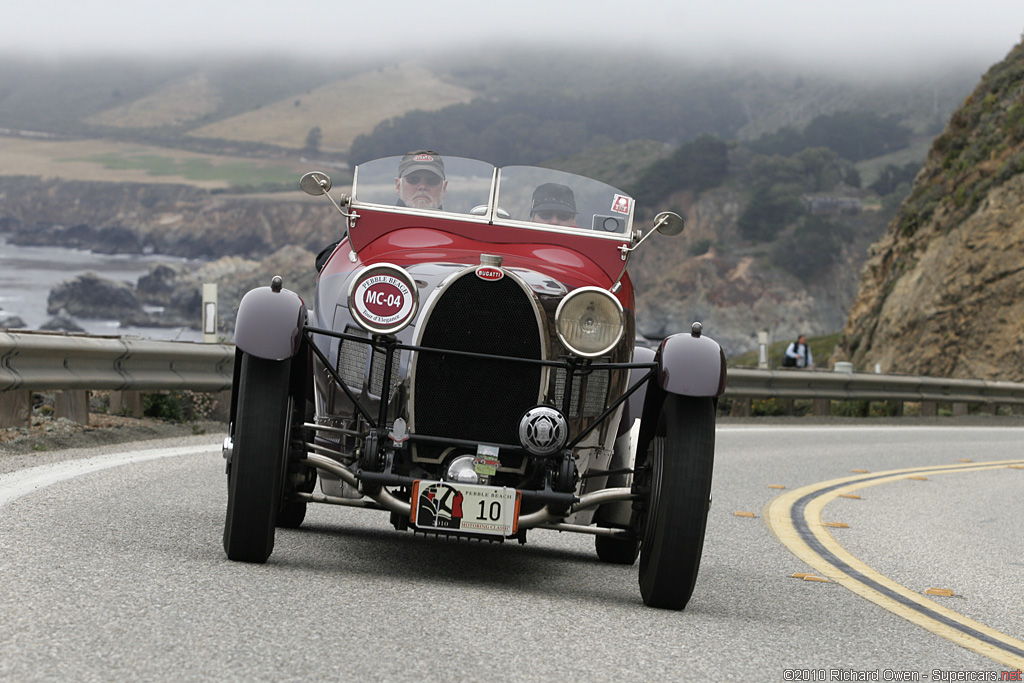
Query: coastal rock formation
(62,322)
(170,295)
(162,219)
(735,292)
(91,296)
(941,294)
(10,322)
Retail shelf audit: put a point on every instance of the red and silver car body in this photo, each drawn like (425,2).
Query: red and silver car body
(469,350)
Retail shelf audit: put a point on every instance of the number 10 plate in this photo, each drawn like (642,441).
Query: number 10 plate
(469,508)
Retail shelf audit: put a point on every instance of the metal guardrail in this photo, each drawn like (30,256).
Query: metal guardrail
(54,362)
(860,386)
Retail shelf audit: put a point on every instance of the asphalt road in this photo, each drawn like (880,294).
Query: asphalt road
(118,574)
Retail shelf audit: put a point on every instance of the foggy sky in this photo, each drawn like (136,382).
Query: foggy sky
(868,31)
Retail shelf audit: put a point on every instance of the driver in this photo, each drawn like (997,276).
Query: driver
(421,183)
(554,204)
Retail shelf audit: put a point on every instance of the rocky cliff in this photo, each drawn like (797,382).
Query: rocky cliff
(163,219)
(710,274)
(942,293)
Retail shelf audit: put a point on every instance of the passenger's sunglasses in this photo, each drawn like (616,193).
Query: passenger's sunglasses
(429,179)
(563,216)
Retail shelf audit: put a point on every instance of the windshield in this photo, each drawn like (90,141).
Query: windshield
(465,184)
(525,196)
(556,198)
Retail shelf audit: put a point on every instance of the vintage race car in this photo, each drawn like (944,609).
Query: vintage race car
(470,366)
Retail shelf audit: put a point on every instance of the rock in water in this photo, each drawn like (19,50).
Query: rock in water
(62,322)
(90,296)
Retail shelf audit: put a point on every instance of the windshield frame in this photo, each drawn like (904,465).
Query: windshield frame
(488,183)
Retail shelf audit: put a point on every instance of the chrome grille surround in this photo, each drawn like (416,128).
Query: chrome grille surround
(477,399)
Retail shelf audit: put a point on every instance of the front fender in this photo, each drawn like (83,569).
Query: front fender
(269,323)
(688,365)
(691,365)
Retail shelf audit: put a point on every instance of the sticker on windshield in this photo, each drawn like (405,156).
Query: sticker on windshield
(621,203)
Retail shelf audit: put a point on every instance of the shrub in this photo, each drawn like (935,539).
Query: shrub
(179,406)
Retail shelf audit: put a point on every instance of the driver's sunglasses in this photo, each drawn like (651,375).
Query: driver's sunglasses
(555,215)
(429,179)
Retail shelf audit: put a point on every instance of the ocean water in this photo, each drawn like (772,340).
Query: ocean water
(27,274)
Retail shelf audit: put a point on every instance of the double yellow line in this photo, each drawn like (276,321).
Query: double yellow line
(795,518)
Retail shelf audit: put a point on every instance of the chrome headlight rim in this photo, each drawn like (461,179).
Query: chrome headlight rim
(589,292)
(375,291)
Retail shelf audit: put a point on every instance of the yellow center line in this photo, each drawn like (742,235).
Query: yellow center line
(796,519)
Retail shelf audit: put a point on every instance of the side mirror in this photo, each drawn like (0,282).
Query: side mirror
(315,183)
(668,223)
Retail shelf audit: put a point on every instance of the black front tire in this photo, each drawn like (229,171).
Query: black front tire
(260,441)
(677,476)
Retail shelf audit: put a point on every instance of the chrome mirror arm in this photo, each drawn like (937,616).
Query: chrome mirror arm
(316,183)
(666,222)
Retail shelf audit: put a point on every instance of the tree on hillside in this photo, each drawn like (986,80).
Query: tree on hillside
(852,135)
(857,135)
(893,177)
(770,209)
(698,165)
(812,249)
(313,139)
(533,127)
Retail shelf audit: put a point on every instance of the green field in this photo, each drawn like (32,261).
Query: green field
(233,173)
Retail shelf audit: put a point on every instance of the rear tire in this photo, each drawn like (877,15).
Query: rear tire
(256,480)
(677,476)
(292,514)
(616,550)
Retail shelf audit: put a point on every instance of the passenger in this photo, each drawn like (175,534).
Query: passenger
(421,183)
(554,204)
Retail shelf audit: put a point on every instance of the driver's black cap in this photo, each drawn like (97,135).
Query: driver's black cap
(421,160)
(553,197)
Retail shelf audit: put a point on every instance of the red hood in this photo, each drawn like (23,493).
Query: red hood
(574,259)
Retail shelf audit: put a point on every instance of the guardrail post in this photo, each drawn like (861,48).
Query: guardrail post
(128,403)
(787,405)
(15,409)
(959,409)
(822,407)
(222,411)
(740,407)
(929,409)
(72,404)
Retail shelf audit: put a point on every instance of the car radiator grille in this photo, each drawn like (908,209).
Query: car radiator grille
(473,398)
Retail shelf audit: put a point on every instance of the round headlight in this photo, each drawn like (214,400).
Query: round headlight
(383,298)
(589,321)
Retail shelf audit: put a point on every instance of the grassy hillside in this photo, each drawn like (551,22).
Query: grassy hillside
(342,109)
(122,162)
